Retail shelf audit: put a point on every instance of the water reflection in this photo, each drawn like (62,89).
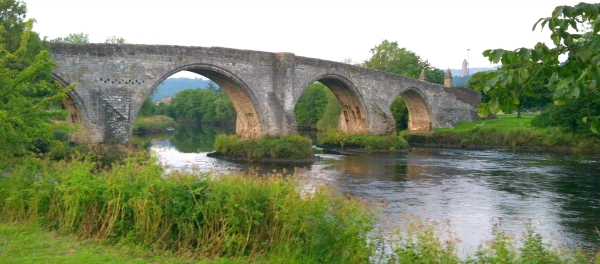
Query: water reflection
(472,189)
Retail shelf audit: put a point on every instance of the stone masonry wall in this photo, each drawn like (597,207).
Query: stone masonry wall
(114,80)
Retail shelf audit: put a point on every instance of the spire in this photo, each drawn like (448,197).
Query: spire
(422,76)
(448,78)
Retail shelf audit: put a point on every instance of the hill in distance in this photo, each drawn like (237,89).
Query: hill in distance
(172,86)
(458,72)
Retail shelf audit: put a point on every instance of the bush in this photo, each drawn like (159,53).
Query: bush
(287,147)
(234,216)
(335,138)
(153,124)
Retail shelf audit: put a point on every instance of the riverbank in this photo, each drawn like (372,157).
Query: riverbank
(237,216)
(227,218)
(506,132)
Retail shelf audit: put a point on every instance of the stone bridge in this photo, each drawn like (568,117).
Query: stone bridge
(114,80)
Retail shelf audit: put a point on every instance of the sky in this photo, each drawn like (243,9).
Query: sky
(440,31)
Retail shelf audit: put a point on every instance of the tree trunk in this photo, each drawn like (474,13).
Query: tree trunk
(519,111)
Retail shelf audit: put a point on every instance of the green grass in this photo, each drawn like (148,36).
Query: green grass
(504,122)
(29,243)
(287,147)
(507,131)
(242,217)
(335,138)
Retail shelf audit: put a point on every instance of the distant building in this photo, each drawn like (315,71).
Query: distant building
(465,68)
(166,100)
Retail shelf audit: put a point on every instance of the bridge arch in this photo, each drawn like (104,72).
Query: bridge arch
(248,122)
(77,114)
(419,109)
(353,117)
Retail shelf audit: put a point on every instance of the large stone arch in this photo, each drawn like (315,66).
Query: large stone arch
(77,114)
(248,123)
(353,117)
(419,110)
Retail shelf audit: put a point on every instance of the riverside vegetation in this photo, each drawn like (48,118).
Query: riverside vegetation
(510,132)
(180,216)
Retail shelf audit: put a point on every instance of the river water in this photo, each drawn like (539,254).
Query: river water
(472,190)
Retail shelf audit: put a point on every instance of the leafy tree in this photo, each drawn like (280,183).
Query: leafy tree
(568,115)
(311,105)
(12,15)
(80,38)
(331,115)
(389,57)
(203,106)
(478,79)
(148,108)
(576,78)
(23,113)
(211,86)
(400,113)
(115,40)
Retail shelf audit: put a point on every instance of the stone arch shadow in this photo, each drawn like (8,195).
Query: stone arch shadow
(353,119)
(249,121)
(419,110)
(77,114)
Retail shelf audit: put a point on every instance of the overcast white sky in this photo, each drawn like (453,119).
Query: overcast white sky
(439,31)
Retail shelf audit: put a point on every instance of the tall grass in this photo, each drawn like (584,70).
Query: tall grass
(287,147)
(338,139)
(234,216)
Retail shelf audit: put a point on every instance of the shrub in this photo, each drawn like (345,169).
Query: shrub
(287,147)
(153,124)
(234,216)
(335,138)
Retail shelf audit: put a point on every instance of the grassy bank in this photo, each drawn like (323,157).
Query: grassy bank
(505,132)
(333,138)
(153,124)
(69,212)
(291,147)
(237,216)
(30,243)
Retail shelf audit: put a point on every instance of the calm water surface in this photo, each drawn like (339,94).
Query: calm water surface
(471,189)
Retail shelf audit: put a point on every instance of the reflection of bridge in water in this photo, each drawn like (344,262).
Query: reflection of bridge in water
(114,80)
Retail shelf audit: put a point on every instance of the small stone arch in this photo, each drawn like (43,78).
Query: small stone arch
(353,117)
(77,114)
(248,122)
(418,109)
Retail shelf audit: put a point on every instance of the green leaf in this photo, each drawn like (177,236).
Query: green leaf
(497,55)
(523,75)
(525,53)
(595,125)
(584,55)
(515,101)
(536,23)
(559,101)
(574,93)
(483,110)
(536,54)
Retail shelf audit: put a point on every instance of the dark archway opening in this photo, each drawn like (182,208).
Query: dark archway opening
(330,102)
(411,112)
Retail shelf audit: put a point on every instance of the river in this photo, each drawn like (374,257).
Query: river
(473,190)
